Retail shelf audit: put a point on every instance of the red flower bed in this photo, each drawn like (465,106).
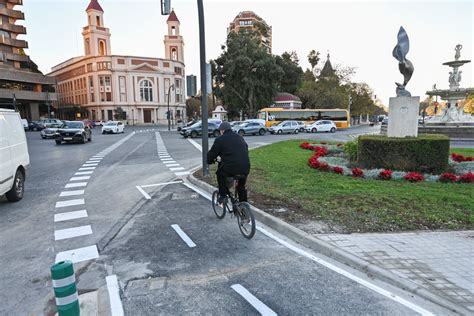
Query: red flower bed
(324,167)
(313,162)
(448,177)
(386,175)
(306,145)
(357,173)
(320,151)
(461,158)
(414,177)
(338,170)
(467,178)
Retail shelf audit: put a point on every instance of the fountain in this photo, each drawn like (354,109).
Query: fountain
(452,121)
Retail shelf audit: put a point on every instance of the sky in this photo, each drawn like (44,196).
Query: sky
(359,34)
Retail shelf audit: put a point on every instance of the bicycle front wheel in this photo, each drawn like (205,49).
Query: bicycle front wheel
(219,209)
(246,220)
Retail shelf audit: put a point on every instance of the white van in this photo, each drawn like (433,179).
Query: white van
(14,158)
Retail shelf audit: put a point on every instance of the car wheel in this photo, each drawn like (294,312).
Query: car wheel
(279,131)
(261,132)
(217,133)
(333,130)
(314,130)
(194,134)
(89,139)
(301,130)
(58,142)
(18,189)
(83,140)
(43,137)
(103,132)
(297,131)
(241,132)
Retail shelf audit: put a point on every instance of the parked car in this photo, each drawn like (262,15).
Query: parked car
(287,127)
(385,121)
(35,126)
(215,121)
(48,132)
(114,127)
(255,121)
(252,128)
(24,123)
(73,131)
(14,158)
(51,123)
(301,125)
(196,130)
(99,123)
(232,124)
(322,126)
(186,125)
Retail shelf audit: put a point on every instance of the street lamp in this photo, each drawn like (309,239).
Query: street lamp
(168,115)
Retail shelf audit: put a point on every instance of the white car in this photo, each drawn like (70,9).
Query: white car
(113,127)
(285,127)
(14,157)
(322,126)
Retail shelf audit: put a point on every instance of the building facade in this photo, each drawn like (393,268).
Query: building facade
(22,85)
(249,20)
(118,87)
(287,101)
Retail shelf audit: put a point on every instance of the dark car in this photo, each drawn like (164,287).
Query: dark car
(187,125)
(196,130)
(35,126)
(73,131)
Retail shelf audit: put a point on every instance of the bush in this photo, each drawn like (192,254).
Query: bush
(350,149)
(425,153)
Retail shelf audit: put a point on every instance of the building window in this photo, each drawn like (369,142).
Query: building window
(88,46)
(102,50)
(173,30)
(174,54)
(245,23)
(146,90)
(122,89)
(97,20)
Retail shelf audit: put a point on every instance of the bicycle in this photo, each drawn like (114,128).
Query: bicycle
(241,210)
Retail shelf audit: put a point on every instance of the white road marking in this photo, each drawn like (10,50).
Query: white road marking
(80,178)
(173,165)
(92,161)
(71,193)
(252,300)
(76,185)
(79,254)
(90,164)
(166,159)
(347,274)
(184,173)
(303,253)
(164,156)
(199,147)
(97,158)
(177,169)
(143,192)
(61,217)
(72,232)
(183,236)
(83,172)
(116,307)
(169,162)
(67,203)
(86,168)
(159,184)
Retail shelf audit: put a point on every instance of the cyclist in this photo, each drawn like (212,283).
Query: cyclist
(234,154)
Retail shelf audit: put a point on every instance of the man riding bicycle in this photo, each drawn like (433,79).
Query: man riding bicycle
(234,154)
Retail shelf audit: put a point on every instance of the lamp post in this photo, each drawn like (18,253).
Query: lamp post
(168,115)
(202,48)
(350,116)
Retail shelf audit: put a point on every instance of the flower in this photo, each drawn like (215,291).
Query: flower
(357,173)
(313,162)
(385,175)
(467,178)
(306,145)
(338,170)
(320,151)
(324,167)
(448,177)
(461,158)
(414,177)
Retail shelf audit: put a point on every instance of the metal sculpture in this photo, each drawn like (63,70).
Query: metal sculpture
(404,65)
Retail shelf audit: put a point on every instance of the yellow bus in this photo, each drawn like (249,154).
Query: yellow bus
(275,115)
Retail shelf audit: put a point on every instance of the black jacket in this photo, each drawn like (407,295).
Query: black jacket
(234,154)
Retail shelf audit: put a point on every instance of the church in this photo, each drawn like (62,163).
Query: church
(118,87)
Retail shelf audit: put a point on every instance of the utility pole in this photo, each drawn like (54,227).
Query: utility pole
(350,116)
(202,48)
(168,115)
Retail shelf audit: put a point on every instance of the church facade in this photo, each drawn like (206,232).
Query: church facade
(118,87)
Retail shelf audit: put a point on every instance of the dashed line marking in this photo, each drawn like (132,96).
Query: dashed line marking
(177,169)
(73,232)
(183,236)
(90,164)
(169,162)
(86,168)
(71,193)
(61,217)
(79,254)
(76,185)
(80,173)
(166,159)
(67,203)
(184,173)
(173,165)
(143,193)
(80,178)
(252,300)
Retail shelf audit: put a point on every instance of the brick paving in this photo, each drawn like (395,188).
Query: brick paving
(441,262)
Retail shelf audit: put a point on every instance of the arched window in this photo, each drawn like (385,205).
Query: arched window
(102,50)
(174,54)
(88,46)
(173,30)
(146,90)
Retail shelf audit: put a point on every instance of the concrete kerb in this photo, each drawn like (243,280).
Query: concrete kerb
(342,256)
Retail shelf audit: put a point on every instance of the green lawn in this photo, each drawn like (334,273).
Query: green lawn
(280,174)
(469,152)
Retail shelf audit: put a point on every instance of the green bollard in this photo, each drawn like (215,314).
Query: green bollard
(64,284)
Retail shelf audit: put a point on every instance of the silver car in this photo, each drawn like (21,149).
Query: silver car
(251,128)
(285,127)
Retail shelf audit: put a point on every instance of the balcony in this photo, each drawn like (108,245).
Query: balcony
(27,95)
(18,15)
(13,42)
(18,29)
(16,57)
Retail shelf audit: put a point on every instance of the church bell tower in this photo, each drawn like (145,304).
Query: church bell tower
(174,44)
(96,36)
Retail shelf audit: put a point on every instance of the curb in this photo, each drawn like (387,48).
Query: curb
(342,256)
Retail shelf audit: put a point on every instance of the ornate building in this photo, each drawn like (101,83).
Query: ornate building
(102,82)
(249,20)
(22,85)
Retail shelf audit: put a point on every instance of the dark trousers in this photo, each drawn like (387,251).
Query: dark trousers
(224,190)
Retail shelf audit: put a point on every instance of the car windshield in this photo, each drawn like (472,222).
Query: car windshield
(196,125)
(110,123)
(73,125)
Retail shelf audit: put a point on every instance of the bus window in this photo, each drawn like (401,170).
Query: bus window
(262,116)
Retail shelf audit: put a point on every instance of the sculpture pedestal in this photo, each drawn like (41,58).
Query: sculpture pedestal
(403,117)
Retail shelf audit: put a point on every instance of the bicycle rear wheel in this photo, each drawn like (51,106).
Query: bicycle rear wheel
(246,220)
(219,210)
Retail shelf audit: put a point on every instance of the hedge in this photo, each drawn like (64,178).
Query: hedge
(428,153)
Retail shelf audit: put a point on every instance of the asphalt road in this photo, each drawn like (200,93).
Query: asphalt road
(84,198)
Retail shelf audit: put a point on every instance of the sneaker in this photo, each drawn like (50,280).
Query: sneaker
(220,199)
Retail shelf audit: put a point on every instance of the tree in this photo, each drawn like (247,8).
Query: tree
(120,114)
(362,101)
(291,80)
(247,75)
(313,59)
